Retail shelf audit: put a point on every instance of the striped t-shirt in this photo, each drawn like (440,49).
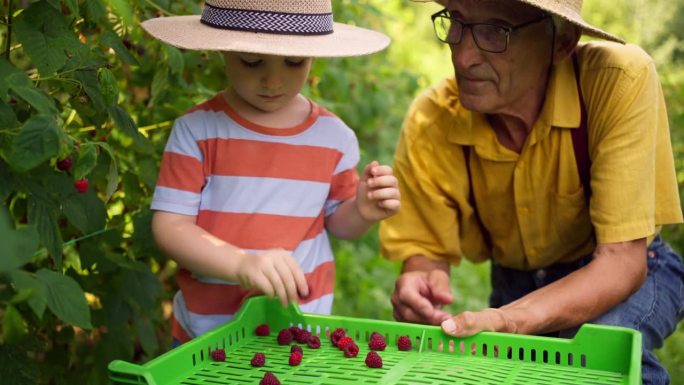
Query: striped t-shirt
(257,188)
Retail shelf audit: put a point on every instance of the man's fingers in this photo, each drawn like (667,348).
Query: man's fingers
(440,287)
(470,323)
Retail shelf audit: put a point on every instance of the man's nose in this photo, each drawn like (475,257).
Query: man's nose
(466,52)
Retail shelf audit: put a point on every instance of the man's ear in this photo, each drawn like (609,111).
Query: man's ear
(566,40)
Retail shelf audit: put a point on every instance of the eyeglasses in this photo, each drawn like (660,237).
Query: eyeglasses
(488,37)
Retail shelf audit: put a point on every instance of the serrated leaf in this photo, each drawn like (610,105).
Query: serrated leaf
(112,172)
(86,161)
(146,333)
(45,37)
(18,245)
(22,86)
(174,59)
(8,119)
(14,327)
(41,214)
(126,124)
(85,211)
(112,40)
(109,89)
(95,10)
(65,298)
(141,286)
(38,301)
(91,86)
(160,82)
(38,141)
(123,9)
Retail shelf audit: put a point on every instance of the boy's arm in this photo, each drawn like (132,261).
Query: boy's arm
(377,198)
(274,272)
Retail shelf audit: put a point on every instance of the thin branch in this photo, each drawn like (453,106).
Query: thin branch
(8,48)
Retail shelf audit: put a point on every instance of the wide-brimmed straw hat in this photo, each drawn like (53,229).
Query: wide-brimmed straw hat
(569,10)
(274,27)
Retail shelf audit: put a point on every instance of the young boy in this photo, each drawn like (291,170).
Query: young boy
(252,180)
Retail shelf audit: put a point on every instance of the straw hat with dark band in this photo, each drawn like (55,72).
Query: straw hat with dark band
(274,27)
(569,10)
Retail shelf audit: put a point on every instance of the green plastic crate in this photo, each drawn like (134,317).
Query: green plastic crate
(597,355)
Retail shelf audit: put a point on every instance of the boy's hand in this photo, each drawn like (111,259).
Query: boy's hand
(275,273)
(378,195)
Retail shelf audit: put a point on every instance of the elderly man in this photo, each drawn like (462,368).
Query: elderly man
(553,160)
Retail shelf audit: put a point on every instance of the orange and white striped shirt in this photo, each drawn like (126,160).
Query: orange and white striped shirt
(257,188)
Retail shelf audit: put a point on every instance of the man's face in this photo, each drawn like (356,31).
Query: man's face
(265,82)
(497,83)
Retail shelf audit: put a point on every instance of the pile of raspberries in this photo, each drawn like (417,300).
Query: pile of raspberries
(338,338)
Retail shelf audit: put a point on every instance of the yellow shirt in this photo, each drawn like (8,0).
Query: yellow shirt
(532,204)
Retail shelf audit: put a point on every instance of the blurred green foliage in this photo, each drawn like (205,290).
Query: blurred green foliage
(81,282)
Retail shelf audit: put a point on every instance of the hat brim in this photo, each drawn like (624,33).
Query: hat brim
(563,12)
(188,32)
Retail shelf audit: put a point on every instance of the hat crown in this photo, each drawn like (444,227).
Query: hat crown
(277,6)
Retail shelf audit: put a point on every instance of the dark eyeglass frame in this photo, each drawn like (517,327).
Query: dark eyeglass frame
(444,14)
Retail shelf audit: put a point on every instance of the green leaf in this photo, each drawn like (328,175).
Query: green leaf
(38,141)
(142,287)
(112,40)
(45,37)
(14,327)
(85,211)
(7,117)
(73,6)
(41,212)
(123,9)
(108,86)
(175,59)
(21,85)
(124,121)
(17,245)
(112,172)
(91,86)
(146,333)
(25,281)
(65,298)
(86,161)
(160,83)
(95,10)
(22,295)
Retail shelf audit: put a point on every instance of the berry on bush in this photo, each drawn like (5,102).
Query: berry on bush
(377,343)
(269,379)
(262,330)
(218,355)
(295,358)
(65,164)
(404,343)
(351,350)
(258,360)
(296,348)
(285,337)
(81,185)
(336,335)
(314,342)
(373,360)
(344,341)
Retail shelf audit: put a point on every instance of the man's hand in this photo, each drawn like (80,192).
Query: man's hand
(378,195)
(470,323)
(275,273)
(421,290)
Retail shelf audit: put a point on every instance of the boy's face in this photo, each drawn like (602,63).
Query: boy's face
(265,82)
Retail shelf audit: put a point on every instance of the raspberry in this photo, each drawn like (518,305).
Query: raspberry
(314,342)
(377,343)
(336,335)
(303,336)
(376,335)
(269,379)
(81,185)
(295,331)
(285,337)
(404,343)
(351,350)
(262,330)
(258,360)
(218,355)
(65,164)
(373,360)
(295,358)
(344,341)
(296,348)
